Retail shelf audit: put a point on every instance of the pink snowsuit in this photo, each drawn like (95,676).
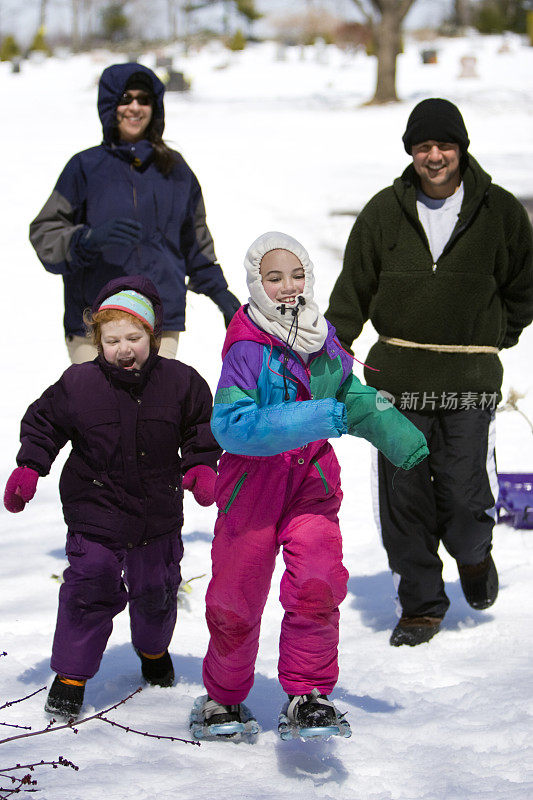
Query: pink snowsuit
(284,503)
(279,487)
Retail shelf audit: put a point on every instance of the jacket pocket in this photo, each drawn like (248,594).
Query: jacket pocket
(233,496)
(315,463)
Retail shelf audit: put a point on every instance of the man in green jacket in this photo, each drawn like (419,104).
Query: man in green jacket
(441,263)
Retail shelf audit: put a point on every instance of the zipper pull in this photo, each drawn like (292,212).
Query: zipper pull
(434,268)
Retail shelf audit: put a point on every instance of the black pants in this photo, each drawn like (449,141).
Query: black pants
(447,497)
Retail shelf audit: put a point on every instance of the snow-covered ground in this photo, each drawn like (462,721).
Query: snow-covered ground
(276,144)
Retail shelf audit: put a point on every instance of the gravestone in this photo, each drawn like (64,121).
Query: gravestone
(429,56)
(177,82)
(281,51)
(468,67)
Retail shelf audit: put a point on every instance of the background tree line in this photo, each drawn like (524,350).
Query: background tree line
(121,22)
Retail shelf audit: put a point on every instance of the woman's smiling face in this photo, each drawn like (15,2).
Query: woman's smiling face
(133,117)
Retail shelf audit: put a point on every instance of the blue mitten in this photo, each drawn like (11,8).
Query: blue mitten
(118,231)
(227,303)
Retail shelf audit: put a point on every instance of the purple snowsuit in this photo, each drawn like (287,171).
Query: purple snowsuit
(279,487)
(121,489)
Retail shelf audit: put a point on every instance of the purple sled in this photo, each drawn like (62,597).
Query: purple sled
(515,499)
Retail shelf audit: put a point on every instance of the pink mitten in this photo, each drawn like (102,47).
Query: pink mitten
(200,481)
(20,488)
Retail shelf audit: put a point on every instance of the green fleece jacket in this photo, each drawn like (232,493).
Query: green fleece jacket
(479,292)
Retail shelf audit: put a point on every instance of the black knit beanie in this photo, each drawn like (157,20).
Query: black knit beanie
(435,119)
(142,81)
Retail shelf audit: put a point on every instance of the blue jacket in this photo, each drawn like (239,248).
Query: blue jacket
(258,409)
(121,180)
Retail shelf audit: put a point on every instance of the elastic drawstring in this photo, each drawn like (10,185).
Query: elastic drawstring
(273,371)
(374,369)
(288,344)
(294,324)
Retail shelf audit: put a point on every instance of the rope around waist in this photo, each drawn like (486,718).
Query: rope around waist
(440,348)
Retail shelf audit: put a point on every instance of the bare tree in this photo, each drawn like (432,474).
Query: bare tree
(172,16)
(84,19)
(462,13)
(42,14)
(75,35)
(385,19)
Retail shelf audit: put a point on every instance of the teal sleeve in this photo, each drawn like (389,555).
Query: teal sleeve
(242,427)
(371,416)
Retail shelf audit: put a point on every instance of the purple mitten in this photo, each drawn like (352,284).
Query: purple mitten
(200,481)
(20,488)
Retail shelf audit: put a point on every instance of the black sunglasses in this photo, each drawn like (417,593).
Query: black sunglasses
(142,98)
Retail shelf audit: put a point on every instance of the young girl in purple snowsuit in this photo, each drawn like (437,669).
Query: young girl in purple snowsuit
(140,434)
(286,388)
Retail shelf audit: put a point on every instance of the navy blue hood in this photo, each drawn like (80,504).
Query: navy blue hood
(112,85)
(140,284)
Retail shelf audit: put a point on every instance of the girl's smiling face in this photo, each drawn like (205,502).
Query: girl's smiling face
(125,343)
(282,276)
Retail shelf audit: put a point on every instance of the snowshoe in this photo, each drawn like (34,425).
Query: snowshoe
(65,699)
(311,716)
(157,671)
(210,720)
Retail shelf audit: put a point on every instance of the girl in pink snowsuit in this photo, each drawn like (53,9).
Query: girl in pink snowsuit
(286,388)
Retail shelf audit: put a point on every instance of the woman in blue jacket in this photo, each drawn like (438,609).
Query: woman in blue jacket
(130,205)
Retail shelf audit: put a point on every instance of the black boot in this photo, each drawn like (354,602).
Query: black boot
(312,710)
(479,583)
(64,699)
(217,714)
(157,671)
(414,630)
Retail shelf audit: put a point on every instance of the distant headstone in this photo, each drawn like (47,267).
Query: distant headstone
(15,66)
(281,51)
(164,62)
(429,56)
(177,82)
(320,51)
(468,67)
(37,56)
(133,57)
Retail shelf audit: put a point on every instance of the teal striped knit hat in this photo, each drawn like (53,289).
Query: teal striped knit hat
(131,302)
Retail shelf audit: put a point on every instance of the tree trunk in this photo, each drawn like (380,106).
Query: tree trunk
(387,49)
(462,13)
(75,34)
(42,15)
(172,20)
(226,12)
(388,31)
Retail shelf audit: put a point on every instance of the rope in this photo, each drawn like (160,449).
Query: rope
(440,348)
(511,404)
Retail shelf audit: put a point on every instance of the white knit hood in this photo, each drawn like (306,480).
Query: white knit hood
(309,330)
